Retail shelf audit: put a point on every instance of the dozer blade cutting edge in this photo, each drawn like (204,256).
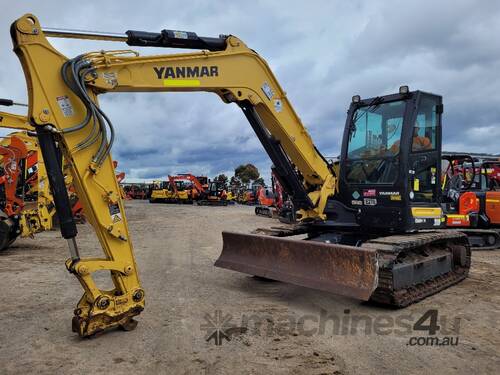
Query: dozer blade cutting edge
(345,270)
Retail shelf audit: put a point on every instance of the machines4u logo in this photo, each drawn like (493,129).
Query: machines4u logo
(217,327)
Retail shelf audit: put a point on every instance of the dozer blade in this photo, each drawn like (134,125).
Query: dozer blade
(345,270)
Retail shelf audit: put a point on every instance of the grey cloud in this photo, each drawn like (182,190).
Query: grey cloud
(322,52)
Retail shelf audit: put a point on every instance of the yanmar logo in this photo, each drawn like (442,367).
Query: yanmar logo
(166,72)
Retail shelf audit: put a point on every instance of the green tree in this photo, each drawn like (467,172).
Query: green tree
(246,173)
(222,178)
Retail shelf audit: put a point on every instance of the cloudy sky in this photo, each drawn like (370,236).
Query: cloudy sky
(322,52)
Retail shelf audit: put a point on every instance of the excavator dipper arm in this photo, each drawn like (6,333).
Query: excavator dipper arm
(11,121)
(64,109)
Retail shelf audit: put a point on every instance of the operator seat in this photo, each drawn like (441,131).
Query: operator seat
(453,187)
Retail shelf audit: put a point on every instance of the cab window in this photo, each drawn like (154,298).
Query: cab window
(425,128)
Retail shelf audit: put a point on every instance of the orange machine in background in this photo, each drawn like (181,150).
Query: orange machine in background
(471,196)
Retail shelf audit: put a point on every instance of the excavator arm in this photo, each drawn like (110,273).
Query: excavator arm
(11,121)
(63,107)
(189,177)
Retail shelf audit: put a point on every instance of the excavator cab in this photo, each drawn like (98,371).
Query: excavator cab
(390,164)
(388,187)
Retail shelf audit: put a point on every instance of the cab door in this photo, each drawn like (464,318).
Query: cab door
(424,163)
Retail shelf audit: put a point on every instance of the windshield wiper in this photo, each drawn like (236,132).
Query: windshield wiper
(373,106)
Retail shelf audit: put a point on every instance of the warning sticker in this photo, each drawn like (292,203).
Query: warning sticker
(369,193)
(111,78)
(114,211)
(267,90)
(65,105)
(278,105)
(181,34)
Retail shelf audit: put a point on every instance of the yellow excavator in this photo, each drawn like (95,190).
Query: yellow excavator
(35,216)
(170,191)
(366,238)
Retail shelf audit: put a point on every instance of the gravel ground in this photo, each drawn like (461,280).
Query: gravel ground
(274,328)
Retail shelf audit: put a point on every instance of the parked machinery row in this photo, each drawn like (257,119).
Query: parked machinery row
(187,188)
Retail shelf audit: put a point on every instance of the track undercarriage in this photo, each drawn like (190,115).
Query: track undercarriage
(482,239)
(395,270)
(265,211)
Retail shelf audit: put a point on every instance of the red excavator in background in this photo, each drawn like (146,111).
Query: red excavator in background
(471,196)
(13,155)
(196,188)
(134,191)
(277,204)
(247,196)
(266,202)
(214,195)
(203,191)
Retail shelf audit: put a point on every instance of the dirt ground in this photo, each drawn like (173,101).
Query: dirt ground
(274,328)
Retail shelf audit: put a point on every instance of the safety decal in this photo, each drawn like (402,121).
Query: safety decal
(111,78)
(267,90)
(416,184)
(370,201)
(114,211)
(65,105)
(181,34)
(369,193)
(278,105)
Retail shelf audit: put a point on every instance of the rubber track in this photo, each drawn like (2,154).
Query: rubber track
(482,232)
(389,248)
